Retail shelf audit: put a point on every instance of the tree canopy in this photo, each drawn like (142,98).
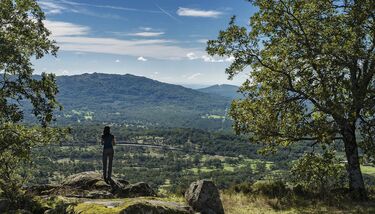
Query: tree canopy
(23,38)
(311,75)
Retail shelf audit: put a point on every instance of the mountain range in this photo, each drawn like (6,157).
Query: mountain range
(225,90)
(130,99)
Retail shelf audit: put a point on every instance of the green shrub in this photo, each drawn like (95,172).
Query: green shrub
(244,187)
(318,173)
(270,188)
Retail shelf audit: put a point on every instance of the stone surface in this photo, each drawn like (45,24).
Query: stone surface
(136,190)
(204,197)
(84,180)
(91,185)
(155,207)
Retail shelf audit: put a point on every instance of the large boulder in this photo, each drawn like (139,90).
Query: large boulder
(136,190)
(156,207)
(85,185)
(204,197)
(91,185)
(85,180)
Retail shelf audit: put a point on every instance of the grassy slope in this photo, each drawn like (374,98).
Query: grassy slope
(240,204)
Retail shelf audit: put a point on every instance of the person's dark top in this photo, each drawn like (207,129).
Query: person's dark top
(107,141)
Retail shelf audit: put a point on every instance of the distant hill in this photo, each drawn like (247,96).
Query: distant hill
(228,91)
(127,98)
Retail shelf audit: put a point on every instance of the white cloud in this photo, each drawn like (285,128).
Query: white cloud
(230,59)
(147,34)
(156,73)
(117,61)
(65,28)
(63,72)
(211,59)
(192,56)
(194,76)
(202,41)
(182,11)
(206,58)
(141,58)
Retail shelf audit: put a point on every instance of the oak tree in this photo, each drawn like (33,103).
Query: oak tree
(23,37)
(311,78)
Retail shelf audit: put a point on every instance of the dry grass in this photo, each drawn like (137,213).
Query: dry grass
(244,204)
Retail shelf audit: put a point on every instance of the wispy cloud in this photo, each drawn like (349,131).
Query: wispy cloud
(204,41)
(147,34)
(191,77)
(183,11)
(146,28)
(51,7)
(141,58)
(167,13)
(61,6)
(117,61)
(65,28)
(72,37)
(73,3)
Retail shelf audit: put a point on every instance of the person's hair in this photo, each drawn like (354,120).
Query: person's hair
(106,131)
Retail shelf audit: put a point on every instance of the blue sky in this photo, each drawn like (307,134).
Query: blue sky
(160,39)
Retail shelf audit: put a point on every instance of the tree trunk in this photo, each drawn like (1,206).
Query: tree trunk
(356,184)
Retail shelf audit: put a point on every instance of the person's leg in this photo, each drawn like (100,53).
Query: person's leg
(105,165)
(110,157)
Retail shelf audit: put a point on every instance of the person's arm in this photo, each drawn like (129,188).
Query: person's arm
(113,141)
(102,141)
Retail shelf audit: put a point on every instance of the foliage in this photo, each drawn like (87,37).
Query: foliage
(312,75)
(15,158)
(269,188)
(23,37)
(318,173)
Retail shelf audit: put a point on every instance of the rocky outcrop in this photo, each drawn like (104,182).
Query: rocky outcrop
(91,185)
(204,197)
(88,189)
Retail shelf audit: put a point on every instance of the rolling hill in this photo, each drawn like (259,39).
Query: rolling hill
(113,98)
(228,91)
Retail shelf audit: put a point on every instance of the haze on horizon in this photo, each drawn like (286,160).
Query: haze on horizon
(161,39)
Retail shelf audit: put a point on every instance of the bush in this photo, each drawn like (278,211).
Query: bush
(269,188)
(244,187)
(318,173)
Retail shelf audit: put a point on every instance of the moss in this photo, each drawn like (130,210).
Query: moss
(57,204)
(105,206)
(95,208)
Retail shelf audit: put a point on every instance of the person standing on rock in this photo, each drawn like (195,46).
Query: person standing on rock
(108,141)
